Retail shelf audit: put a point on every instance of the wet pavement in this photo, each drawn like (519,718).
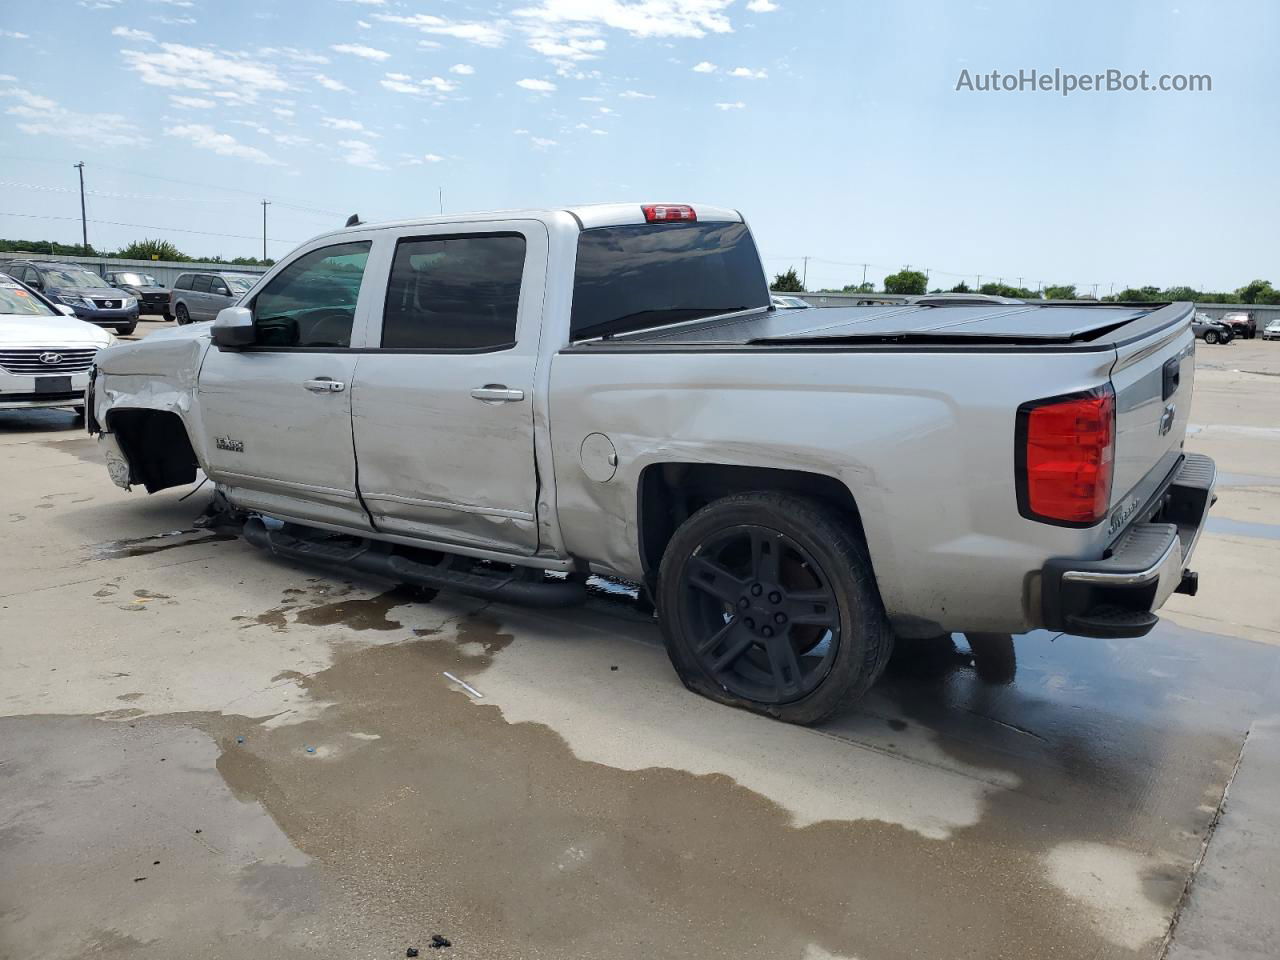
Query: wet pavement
(205,751)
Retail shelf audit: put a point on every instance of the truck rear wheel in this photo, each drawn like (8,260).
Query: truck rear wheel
(767,601)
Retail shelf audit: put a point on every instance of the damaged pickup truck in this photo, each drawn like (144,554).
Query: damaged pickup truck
(505,403)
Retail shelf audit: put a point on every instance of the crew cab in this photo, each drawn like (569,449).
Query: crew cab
(505,403)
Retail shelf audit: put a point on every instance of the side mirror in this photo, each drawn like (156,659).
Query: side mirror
(233,328)
(63,309)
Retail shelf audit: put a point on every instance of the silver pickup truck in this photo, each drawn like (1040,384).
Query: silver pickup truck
(506,403)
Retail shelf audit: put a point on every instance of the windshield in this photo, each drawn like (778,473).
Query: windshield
(239,285)
(16,301)
(647,275)
(71,277)
(137,279)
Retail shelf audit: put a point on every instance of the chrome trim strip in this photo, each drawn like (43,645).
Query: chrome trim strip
(1136,578)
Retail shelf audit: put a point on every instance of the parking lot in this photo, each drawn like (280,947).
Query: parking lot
(205,751)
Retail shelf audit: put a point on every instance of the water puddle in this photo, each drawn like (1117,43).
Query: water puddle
(1242,528)
(145,546)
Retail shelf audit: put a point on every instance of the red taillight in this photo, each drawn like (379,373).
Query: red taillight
(1066,454)
(668,213)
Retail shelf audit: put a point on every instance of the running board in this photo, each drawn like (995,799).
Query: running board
(375,558)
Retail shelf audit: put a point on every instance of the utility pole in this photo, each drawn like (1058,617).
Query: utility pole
(804,277)
(979,286)
(84,224)
(1019,283)
(440,198)
(926,279)
(265,204)
(1095,291)
(864,274)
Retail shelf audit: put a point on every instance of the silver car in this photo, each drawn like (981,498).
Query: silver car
(199,296)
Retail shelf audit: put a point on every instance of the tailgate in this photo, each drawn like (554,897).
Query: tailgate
(1152,378)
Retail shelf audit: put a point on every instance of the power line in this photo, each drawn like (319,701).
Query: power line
(150,226)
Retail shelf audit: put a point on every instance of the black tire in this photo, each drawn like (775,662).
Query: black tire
(741,562)
(994,659)
(128,328)
(181,315)
(79,412)
(167,316)
(1211,336)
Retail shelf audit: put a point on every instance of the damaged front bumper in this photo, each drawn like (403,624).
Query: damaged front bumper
(1118,594)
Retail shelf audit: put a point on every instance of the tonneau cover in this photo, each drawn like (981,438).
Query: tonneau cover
(1039,323)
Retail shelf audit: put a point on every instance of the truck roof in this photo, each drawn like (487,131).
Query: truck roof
(588,216)
(1027,323)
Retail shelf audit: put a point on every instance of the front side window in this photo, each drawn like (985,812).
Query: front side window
(312,301)
(454,293)
(218,285)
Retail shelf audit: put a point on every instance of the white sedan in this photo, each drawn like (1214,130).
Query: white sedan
(45,355)
(1271,331)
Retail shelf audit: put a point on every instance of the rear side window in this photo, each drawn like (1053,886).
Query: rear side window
(183,282)
(312,301)
(647,275)
(454,293)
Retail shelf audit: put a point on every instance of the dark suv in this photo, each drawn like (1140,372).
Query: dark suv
(91,297)
(153,296)
(1242,322)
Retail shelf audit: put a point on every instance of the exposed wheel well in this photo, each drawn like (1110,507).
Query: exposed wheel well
(671,492)
(157,447)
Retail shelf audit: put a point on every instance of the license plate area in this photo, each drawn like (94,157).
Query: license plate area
(53,384)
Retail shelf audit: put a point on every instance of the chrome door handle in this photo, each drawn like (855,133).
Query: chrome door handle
(324,385)
(497,393)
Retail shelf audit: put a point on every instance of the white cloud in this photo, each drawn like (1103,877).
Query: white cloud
(537,86)
(206,138)
(592,99)
(131,34)
(39,115)
(565,46)
(706,66)
(361,154)
(761,6)
(462,69)
(542,142)
(600,133)
(292,53)
(360,50)
(738,105)
(427,86)
(364,24)
(650,18)
(339,123)
(606,109)
(368,3)
(425,158)
(178,66)
(291,139)
(748,73)
(282,111)
(521,132)
(192,103)
(635,95)
(484,34)
(15,35)
(330,84)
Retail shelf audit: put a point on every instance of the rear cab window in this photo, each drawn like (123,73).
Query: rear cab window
(639,276)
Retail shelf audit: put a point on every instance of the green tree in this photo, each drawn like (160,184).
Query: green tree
(151,250)
(865,287)
(907,281)
(1259,291)
(787,282)
(1064,292)
(961,287)
(1139,294)
(1004,290)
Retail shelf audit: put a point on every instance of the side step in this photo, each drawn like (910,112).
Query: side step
(375,558)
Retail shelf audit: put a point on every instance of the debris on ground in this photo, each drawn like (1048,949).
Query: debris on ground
(411,952)
(438,942)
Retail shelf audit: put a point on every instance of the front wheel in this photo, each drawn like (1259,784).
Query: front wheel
(1211,336)
(180,313)
(768,602)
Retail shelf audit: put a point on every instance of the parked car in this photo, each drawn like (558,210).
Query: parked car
(783,302)
(91,297)
(1243,322)
(605,389)
(1272,331)
(199,296)
(152,295)
(45,352)
(1210,330)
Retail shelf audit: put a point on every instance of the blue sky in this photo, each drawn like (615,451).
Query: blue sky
(835,127)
